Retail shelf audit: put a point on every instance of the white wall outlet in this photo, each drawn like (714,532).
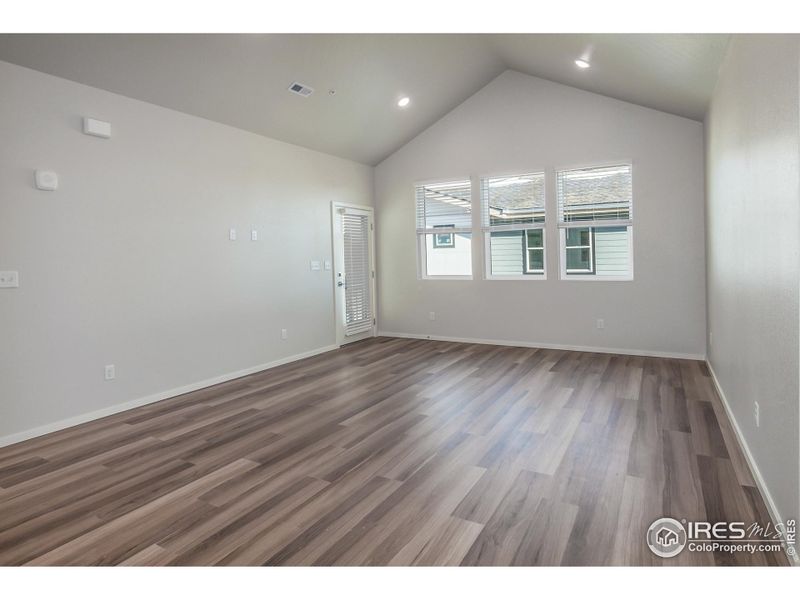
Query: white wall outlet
(110,372)
(601,324)
(46,181)
(232,235)
(284,334)
(757,413)
(315,265)
(327,265)
(431,316)
(254,235)
(9,279)
(96,128)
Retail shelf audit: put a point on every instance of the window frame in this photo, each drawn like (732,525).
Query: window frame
(527,251)
(422,249)
(486,231)
(590,246)
(592,225)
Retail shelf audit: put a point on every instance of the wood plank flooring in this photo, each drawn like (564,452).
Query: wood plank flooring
(390,452)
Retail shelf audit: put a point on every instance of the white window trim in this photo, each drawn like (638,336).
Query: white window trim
(562,241)
(422,250)
(487,230)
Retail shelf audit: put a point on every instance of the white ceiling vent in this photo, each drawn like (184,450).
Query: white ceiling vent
(301,90)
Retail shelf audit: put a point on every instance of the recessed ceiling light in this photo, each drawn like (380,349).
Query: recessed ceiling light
(582,63)
(403,102)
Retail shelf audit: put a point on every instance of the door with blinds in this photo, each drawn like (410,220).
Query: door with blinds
(354,270)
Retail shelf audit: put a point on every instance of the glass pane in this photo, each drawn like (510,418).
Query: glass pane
(444,204)
(535,238)
(513,200)
(578,236)
(612,251)
(595,193)
(579,259)
(507,252)
(536,260)
(454,258)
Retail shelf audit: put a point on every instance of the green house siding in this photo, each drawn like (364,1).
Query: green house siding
(611,251)
(507,252)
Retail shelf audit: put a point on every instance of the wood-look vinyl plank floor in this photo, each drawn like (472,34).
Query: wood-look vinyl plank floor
(391,452)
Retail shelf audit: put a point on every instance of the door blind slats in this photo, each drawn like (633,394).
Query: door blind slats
(444,207)
(510,201)
(597,194)
(358,305)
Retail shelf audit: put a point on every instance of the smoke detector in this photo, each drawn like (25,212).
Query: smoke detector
(301,90)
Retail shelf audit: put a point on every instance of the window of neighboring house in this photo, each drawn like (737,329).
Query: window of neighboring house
(444,229)
(513,214)
(596,222)
(444,240)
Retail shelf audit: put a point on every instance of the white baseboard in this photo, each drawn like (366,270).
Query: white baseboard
(158,396)
(774,514)
(629,351)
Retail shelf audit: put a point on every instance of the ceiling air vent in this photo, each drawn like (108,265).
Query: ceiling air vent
(301,90)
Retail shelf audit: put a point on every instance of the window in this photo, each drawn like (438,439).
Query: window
(595,220)
(444,229)
(513,224)
(443,240)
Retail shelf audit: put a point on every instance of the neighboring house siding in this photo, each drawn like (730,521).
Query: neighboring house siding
(507,257)
(611,251)
(450,261)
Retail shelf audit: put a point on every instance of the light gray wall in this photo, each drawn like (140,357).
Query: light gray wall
(753,157)
(523,124)
(129,261)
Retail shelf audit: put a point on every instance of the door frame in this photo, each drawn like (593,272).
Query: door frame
(338,308)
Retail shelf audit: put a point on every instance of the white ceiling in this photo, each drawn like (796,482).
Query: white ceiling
(241,80)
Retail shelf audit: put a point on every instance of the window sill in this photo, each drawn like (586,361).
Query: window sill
(595,278)
(446,277)
(531,277)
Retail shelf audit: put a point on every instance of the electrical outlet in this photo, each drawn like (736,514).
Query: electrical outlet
(232,235)
(9,279)
(284,334)
(601,324)
(431,316)
(110,372)
(254,235)
(757,413)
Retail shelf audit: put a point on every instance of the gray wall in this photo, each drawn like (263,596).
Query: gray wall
(523,124)
(129,261)
(753,153)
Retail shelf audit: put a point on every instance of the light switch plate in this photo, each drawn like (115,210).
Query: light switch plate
(9,279)
(232,235)
(254,235)
(327,265)
(315,265)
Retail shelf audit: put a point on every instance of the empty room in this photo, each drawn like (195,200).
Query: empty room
(399,299)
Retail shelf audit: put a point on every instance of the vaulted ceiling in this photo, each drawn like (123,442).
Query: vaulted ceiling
(242,80)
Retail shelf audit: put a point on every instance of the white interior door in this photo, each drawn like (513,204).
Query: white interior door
(354,272)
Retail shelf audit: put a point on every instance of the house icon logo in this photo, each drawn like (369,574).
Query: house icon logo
(666,537)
